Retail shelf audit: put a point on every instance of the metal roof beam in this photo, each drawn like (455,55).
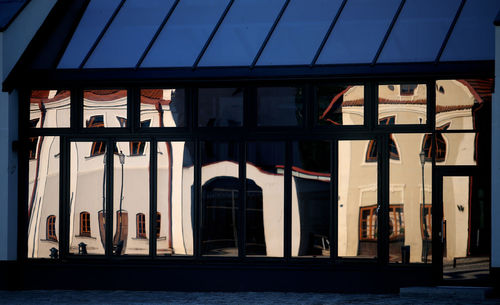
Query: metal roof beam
(389,30)
(450,30)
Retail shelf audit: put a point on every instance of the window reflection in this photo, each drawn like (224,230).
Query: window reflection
(264,199)
(407,103)
(358,205)
(43,198)
(410,198)
(175,202)
(104,108)
(87,204)
(340,105)
(163,108)
(50,108)
(131,199)
(280,106)
(311,199)
(220,107)
(220,198)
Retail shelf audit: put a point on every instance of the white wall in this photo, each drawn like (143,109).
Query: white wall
(495,161)
(13,42)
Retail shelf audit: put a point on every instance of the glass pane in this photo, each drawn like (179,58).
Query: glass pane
(220,107)
(359,31)
(188,30)
(91,25)
(129,35)
(175,201)
(410,219)
(87,223)
(466,229)
(219,198)
(280,106)
(460,148)
(419,31)
(402,104)
(311,199)
(299,33)
(43,197)
(463,104)
(50,108)
(131,199)
(163,108)
(265,199)
(340,105)
(104,108)
(357,201)
(473,37)
(242,32)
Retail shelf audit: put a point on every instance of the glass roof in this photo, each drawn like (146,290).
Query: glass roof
(236,33)
(8,10)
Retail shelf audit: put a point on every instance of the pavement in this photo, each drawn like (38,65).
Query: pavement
(418,295)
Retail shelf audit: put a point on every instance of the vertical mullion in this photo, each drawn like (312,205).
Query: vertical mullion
(153,208)
(431,105)
(133,109)
(383,198)
(334,199)
(249,106)
(288,201)
(197,200)
(23,175)
(64,196)
(77,110)
(371,105)
(242,201)
(309,106)
(188,106)
(109,196)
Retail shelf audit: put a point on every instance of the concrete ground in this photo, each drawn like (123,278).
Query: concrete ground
(435,295)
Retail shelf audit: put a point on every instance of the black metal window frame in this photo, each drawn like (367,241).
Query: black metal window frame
(249,131)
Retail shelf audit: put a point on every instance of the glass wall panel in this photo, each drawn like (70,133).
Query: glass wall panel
(50,109)
(43,197)
(311,199)
(242,33)
(129,34)
(131,199)
(92,23)
(175,201)
(402,104)
(220,107)
(419,31)
(460,148)
(185,33)
(265,199)
(357,199)
(463,104)
(358,32)
(163,108)
(340,105)
(87,224)
(410,201)
(473,37)
(219,198)
(280,106)
(299,33)
(104,108)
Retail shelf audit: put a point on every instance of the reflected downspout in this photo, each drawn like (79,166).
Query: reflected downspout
(39,148)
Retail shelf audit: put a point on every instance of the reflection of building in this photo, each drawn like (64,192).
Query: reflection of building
(289,145)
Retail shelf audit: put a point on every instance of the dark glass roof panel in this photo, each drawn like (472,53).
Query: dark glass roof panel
(242,32)
(129,34)
(92,23)
(359,31)
(8,10)
(185,33)
(299,33)
(473,37)
(419,31)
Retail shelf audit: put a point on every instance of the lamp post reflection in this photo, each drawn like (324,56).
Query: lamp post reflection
(425,235)
(120,211)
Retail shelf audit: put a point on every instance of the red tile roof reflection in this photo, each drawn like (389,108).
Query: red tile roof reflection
(42,96)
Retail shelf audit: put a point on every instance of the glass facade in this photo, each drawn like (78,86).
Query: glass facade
(252,172)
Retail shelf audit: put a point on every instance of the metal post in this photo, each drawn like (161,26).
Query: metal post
(425,237)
